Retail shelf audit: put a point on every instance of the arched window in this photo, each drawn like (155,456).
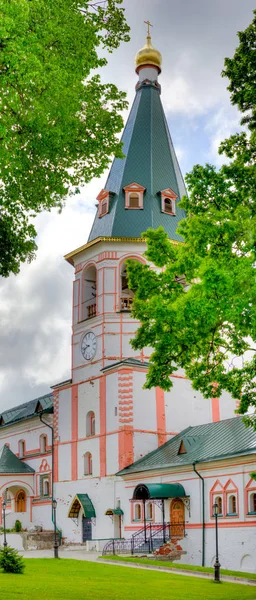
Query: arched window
(137,512)
(90,423)
(43,443)
(232,505)
(89,293)
(21,446)
(149,511)
(126,294)
(218,500)
(169,206)
(87,463)
(46,487)
(253,503)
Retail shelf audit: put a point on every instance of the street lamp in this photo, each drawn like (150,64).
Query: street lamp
(55,545)
(217,563)
(4,508)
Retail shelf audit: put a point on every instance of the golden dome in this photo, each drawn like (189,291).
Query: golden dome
(148,55)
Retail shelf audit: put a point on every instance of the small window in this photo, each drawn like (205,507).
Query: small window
(137,512)
(169,206)
(218,501)
(134,193)
(87,463)
(90,423)
(134,200)
(104,208)
(43,444)
(232,505)
(253,503)
(46,487)
(21,448)
(103,199)
(149,511)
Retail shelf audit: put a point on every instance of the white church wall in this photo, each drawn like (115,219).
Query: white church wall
(88,400)
(42,516)
(64,460)
(144,404)
(29,431)
(112,454)
(89,445)
(111,402)
(195,409)
(64,415)
(227,406)
(144,443)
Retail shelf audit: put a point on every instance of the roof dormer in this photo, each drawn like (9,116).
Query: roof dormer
(168,201)
(103,200)
(134,193)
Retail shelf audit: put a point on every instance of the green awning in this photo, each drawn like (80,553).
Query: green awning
(114,511)
(81,501)
(158,491)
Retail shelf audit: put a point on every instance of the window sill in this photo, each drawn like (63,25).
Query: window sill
(251,514)
(137,520)
(232,515)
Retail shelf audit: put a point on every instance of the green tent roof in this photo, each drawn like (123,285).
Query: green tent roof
(82,501)
(27,410)
(150,161)
(114,511)
(10,463)
(202,443)
(156,491)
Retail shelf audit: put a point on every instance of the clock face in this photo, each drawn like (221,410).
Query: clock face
(89,345)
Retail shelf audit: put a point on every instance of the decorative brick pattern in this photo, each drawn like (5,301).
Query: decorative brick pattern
(125,398)
(56,414)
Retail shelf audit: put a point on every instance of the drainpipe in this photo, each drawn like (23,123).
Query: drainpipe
(53,495)
(203,515)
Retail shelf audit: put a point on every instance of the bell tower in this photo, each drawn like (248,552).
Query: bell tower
(107,420)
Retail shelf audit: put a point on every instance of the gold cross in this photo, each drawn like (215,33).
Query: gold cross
(149,25)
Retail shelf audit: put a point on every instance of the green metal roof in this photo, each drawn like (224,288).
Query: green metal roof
(82,501)
(10,463)
(150,161)
(114,511)
(158,490)
(27,410)
(203,443)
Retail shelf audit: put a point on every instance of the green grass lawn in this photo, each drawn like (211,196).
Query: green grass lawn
(171,565)
(67,579)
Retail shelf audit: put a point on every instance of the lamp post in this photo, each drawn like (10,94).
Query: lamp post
(217,563)
(55,545)
(4,524)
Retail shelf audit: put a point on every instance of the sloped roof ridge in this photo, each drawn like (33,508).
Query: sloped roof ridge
(10,463)
(25,404)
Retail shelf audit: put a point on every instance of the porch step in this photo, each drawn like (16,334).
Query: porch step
(169,551)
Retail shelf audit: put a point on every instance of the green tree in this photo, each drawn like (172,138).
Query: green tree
(199,312)
(58,125)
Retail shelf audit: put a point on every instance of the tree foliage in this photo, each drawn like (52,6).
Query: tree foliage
(58,126)
(197,308)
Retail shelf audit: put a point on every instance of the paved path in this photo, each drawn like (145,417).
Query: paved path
(76,553)
(228,578)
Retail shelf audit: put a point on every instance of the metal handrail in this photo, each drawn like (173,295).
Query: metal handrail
(137,542)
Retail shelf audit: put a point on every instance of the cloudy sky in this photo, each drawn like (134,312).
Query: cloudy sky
(193,36)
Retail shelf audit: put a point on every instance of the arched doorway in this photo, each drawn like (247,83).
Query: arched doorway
(21,501)
(177,517)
